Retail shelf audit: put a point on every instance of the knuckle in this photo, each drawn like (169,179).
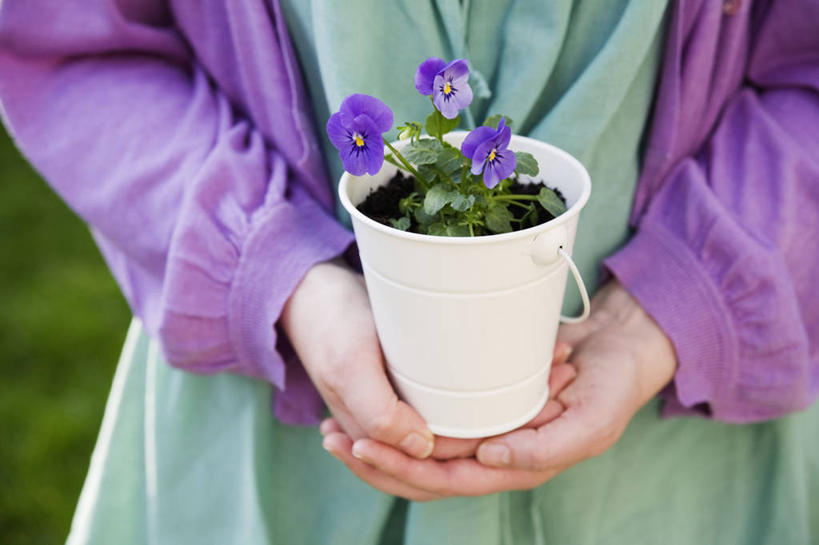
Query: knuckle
(604,437)
(381,425)
(540,459)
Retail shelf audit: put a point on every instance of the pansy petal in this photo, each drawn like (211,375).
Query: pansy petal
(448,108)
(375,157)
(336,131)
(356,161)
(500,168)
(505,163)
(463,96)
(368,157)
(503,137)
(482,150)
(501,124)
(426,73)
(456,70)
(364,125)
(477,167)
(490,177)
(445,103)
(474,139)
(357,104)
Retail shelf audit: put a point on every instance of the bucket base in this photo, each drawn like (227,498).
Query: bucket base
(473,414)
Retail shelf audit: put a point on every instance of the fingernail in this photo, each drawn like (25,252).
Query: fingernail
(328,447)
(417,445)
(323,427)
(494,455)
(358,452)
(565,352)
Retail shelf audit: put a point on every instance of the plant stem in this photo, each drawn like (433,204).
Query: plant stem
(423,181)
(521,205)
(513,198)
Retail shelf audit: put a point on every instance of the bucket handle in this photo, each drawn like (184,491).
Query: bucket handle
(580,286)
(545,249)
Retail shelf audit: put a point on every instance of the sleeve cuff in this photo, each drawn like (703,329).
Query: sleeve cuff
(285,242)
(665,277)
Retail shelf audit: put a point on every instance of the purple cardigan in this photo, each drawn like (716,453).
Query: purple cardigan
(179,130)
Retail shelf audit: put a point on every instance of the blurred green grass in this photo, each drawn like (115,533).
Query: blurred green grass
(62,324)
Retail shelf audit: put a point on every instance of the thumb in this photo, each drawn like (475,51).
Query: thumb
(556,445)
(375,407)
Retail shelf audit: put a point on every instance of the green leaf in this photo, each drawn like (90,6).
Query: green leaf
(450,161)
(526,164)
(438,229)
(423,152)
(422,217)
(390,159)
(448,230)
(437,197)
(549,200)
(462,202)
(402,223)
(406,204)
(429,172)
(438,125)
(457,230)
(498,218)
(494,120)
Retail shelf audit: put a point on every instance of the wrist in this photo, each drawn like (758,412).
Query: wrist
(308,292)
(624,319)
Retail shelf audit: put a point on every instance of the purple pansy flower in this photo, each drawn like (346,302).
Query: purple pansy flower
(356,131)
(487,147)
(447,83)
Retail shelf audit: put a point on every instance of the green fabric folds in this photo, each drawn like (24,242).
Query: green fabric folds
(187,459)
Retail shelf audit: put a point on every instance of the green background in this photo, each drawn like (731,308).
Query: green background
(62,324)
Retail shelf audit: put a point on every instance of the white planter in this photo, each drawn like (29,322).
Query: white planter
(468,324)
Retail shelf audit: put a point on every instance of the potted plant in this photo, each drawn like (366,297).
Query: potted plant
(465,240)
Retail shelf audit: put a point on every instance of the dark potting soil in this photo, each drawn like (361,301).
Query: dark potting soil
(382,204)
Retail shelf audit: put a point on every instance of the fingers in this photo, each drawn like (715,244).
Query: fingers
(560,377)
(447,448)
(549,412)
(561,353)
(371,402)
(587,427)
(340,446)
(457,477)
(330,425)
(559,443)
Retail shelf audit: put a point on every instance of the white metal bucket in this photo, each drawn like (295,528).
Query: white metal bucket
(468,324)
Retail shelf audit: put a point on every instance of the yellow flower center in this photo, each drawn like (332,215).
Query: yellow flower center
(492,155)
(358,140)
(447,88)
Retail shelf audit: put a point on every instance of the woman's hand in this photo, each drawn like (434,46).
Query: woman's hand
(330,325)
(622,359)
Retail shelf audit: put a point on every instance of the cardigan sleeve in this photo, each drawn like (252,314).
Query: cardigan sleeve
(725,257)
(206,226)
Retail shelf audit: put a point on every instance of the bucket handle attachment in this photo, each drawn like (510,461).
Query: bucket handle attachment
(547,248)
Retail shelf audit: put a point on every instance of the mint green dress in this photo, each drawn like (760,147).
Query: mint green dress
(186,459)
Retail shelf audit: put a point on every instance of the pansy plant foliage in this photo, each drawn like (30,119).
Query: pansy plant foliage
(457,192)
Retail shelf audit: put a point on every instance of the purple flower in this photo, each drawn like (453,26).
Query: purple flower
(487,148)
(356,131)
(447,83)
